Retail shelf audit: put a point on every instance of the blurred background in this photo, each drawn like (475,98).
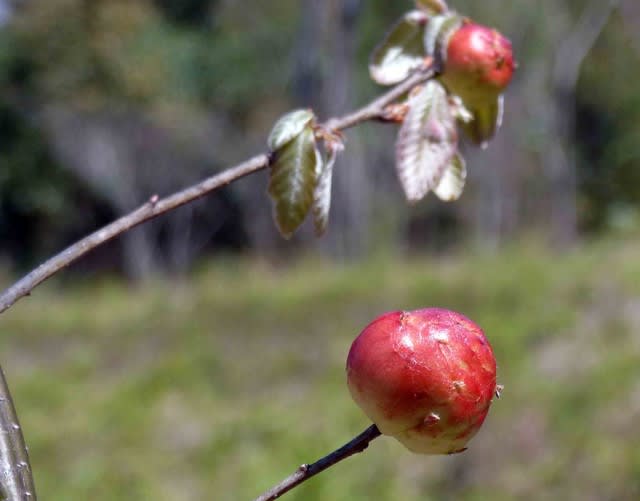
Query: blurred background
(202,357)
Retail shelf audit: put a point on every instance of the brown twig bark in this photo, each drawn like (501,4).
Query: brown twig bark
(16,480)
(306,471)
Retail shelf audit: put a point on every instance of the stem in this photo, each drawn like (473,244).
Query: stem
(306,471)
(16,480)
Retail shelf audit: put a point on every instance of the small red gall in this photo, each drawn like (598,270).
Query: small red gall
(426,377)
(478,60)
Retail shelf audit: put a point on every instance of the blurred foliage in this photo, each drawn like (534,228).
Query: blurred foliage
(188,12)
(101,53)
(39,200)
(177,61)
(609,124)
(203,391)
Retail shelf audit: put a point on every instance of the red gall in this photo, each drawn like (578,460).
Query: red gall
(426,377)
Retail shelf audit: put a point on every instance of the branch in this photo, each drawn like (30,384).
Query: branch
(306,471)
(16,480)
(150,210)
(376,110)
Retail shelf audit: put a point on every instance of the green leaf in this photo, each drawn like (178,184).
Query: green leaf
(295,168)
(451,185)
(486,119)
(427,141)
(288,127)
(401,51)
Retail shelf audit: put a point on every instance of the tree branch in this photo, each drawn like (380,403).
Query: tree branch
(16,480)
(156,207)
(306,471)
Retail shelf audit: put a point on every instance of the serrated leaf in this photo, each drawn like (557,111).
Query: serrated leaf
(401,51)
(432,6)
(486,119)
(288,127)
(427,141)
(322,195)
(451,185)
(293,180)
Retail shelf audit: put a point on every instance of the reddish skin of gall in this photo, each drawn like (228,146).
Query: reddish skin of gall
(426,377)
(478,67)
(478,56)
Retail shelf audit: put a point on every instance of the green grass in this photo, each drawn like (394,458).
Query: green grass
(219,386)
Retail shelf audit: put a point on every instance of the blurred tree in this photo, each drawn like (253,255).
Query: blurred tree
(560,158)
(117,92)
(325,78)
(608,123)
(39,200)
(133,98)
(189,12)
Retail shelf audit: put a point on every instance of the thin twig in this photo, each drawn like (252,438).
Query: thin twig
(16,479)
(152,209)
(306,471)
(156,207)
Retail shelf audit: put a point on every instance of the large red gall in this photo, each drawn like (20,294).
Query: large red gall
(426,377)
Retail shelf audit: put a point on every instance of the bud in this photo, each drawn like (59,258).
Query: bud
(425,377)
